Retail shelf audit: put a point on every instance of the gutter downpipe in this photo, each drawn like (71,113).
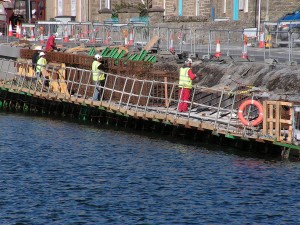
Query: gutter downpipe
(258,19)
(29,11)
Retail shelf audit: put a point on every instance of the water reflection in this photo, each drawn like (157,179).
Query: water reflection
(56,172)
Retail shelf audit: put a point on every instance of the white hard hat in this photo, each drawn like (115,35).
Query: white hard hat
(97,56)
(55,34)
(42,54)
(189,61)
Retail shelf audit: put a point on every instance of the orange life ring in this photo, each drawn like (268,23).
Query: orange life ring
(255,122)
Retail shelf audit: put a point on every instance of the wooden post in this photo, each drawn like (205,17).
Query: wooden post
(277,123)
(271,119)
(290,131)
(265,117)
(166,92)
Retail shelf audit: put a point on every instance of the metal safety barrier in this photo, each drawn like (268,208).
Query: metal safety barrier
(201,43)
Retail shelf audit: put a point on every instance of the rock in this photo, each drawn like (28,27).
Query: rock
(271,61)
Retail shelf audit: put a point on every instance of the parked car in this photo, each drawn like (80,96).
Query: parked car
(289,23)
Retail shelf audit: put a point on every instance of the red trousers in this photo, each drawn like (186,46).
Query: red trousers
(184,94)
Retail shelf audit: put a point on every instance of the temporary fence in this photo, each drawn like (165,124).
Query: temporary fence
(198,42)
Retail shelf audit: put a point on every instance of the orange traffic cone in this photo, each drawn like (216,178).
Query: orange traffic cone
(261,40)
(131,37)
(218,49)
(126,40)
(245,51)
(10,31)
(31,32)
(171,43)
(42,31)
(18,30)
(66,36)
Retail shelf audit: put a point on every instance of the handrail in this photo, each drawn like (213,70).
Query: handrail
(125,92)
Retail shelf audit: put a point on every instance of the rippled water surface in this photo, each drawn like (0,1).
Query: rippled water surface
(57,172)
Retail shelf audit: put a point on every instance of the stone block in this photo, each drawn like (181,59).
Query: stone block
(271,61)
(291,63)
(192,56)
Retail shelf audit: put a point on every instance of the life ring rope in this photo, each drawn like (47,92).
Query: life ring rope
(242,107)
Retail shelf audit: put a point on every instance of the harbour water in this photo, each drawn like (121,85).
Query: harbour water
(59,172)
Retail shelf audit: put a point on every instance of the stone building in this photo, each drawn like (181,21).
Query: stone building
(84,10)
(245,11)
(249,11)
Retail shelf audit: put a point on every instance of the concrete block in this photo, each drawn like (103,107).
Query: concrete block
(251,59)
(291,63)
(165,53)
(271,61)
(239,59)
(9,51)
(206,57)
(192,56)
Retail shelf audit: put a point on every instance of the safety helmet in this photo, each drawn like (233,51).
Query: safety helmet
(42,54)
(97,56)
(189,61)
(55,34)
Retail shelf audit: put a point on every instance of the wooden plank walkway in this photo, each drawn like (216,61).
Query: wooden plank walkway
(212,117)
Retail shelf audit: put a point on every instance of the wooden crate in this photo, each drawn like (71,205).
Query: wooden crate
(277,121)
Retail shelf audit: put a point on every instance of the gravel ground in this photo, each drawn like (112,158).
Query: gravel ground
(276,81)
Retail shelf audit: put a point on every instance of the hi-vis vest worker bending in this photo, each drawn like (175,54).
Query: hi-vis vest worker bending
(98,77)
(185,84)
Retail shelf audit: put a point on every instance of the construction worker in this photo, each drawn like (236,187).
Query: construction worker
(35,56)
(51,45)
(41,63)
(98,76)
(185,84)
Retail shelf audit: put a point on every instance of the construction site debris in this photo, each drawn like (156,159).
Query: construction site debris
(151,43)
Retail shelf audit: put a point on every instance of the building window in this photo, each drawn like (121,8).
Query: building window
(104,4)
(241,5)
(60,7)
(73,8)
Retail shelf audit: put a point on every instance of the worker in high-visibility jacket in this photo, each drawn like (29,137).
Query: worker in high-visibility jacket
(40,65)
(186,76)
(98,77)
